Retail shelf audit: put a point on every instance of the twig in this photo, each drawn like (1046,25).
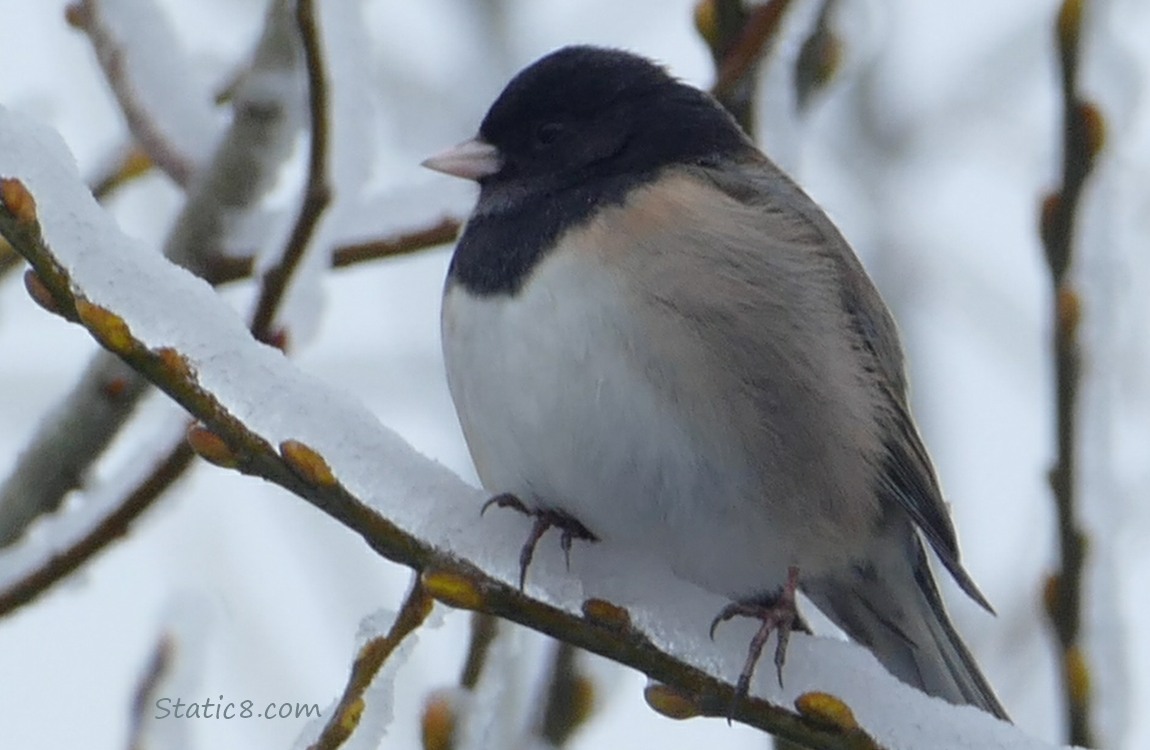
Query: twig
(317,192)
(372,657)
(819,57)
(738,42)
(129,164)
(115,525)
(440,233)
(228,268)
(569,697)
(159,666)
(483,630)
(67,442)
(1081,141)
(244,166)
(147,132)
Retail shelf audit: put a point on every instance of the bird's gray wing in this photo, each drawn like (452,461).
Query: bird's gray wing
(907,477)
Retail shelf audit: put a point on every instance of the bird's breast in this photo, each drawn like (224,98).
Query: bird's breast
(554,393)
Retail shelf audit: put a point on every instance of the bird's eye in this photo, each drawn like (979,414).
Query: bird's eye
(548,133)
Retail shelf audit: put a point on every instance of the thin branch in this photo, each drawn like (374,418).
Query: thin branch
(129,164)
(440,233)
(79,428)
(739,40)
(229,268)
(371,659)
(1081,141)
(243,167)
(162,152)
(483,630)
(159,667)
(569,697)
(819,57)
(114,526)
(317,192)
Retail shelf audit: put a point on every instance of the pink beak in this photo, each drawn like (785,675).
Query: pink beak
(471,160)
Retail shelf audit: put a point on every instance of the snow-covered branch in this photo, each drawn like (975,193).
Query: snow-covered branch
(268,115)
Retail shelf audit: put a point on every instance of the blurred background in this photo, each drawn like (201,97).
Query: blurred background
(931,146)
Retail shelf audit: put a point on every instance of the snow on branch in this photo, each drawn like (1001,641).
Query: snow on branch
(268,419)
(269,112)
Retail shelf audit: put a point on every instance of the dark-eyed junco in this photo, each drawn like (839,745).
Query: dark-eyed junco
(654,337)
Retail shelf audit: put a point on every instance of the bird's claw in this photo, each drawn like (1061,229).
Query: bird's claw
(544,519)
(505,500)
(778,616)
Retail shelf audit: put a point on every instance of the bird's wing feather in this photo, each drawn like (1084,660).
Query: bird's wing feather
(907,476)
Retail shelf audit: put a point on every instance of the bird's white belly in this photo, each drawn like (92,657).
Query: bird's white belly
(555,406)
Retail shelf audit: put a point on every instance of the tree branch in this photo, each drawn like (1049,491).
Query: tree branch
(243,168)
(738,39)
(161,150)
(1082,140)
(371,659)
(317,191)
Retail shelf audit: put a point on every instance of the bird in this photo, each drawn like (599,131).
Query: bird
(654,338)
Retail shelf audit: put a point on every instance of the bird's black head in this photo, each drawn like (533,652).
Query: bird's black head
(573,133)
(582,113)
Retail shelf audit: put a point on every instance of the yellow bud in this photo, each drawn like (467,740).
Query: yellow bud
(175,363)
(603,612)
(1069,308)
(438,723)
(1069,23)
(349,717)
(452,589)
(1077,675)
(17,200)
(211,447)
(827,710)
(108,327)
(1093,127)
(307,464)
(670,702)
(39,292)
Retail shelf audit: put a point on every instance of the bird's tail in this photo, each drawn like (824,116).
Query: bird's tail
(896,611)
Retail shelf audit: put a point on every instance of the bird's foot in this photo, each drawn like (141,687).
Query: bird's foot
(544,519)
(778,614)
